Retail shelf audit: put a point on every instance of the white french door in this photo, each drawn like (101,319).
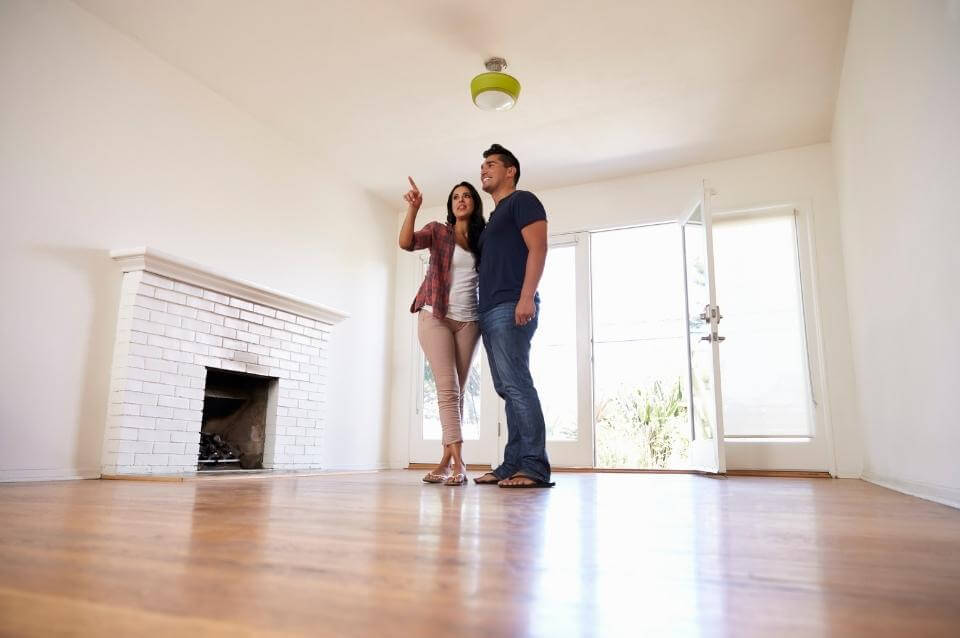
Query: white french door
(480,410)
(703,338)
(560,354)
(627,355)
(559,363)
(772,376)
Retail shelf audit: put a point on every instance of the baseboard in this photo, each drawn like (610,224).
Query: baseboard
(780,473)
(73,474)
(937,493)
(359,467)
(230,475)
(471,467)
(48,474)
(616,470)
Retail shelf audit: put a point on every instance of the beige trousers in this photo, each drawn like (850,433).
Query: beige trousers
(449,346)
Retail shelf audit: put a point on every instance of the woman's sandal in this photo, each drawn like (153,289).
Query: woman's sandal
(487,479)
(434,477)
(457,479)
(531,482)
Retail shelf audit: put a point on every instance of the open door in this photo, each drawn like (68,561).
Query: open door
(703,340)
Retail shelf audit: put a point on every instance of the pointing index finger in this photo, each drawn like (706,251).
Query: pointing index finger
(412,183)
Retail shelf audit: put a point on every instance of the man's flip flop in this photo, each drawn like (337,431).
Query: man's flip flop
(534,483)
(481,480)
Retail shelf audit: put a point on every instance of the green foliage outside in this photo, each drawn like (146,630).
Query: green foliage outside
(471,401)
(640,428)
(643,428)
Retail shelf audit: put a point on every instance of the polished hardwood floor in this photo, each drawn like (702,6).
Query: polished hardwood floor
(382,554)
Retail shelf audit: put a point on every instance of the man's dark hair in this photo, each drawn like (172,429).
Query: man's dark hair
(508,159)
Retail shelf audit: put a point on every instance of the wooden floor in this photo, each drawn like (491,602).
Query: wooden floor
(381,554)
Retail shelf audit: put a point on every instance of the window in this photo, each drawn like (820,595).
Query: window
(766,391)
(470,422)
(553,353)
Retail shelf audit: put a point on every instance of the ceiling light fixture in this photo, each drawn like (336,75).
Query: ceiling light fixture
(493,90)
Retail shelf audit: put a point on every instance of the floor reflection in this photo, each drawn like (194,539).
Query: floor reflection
(384,554)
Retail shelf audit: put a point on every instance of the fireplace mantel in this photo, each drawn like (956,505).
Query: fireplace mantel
(159,263)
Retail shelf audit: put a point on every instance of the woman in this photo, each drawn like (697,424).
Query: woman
(447,307)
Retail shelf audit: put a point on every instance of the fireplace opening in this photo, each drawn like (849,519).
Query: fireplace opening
(235,408)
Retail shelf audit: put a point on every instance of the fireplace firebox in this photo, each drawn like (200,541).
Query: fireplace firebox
(233,427)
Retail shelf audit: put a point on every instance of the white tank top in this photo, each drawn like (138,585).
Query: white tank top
(462,303)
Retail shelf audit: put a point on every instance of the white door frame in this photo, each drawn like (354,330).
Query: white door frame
(579,453)
(475,452)
(740,454)
(815,453)
(706,455)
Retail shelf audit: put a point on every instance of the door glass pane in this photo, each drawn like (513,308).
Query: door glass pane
(553,353)
(470,421)
(640,367)
(764,364)
(703,402)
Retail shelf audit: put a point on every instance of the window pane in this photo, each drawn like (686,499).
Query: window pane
(639,352)
(553,353)
(641,411)
(703,401)
(432,430)
(470,423)
(763,361)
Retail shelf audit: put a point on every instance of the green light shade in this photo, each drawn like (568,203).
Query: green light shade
(494,91)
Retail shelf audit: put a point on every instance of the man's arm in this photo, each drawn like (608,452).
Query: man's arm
(535,237)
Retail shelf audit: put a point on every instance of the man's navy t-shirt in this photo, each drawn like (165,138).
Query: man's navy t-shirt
(503,253)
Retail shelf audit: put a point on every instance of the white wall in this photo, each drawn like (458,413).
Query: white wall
(795,175)
(897,148)
(103,145)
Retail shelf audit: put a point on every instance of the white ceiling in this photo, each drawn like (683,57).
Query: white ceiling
(609,87)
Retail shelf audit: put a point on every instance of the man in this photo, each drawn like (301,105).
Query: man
(513,249)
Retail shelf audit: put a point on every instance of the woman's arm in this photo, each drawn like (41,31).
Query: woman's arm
(414,199)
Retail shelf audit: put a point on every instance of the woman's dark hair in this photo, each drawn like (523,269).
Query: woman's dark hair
(476,223)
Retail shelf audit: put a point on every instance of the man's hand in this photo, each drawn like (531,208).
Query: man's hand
(524,312)
(535,237)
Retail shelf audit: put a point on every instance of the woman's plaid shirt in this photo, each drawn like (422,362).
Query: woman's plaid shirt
(435,289)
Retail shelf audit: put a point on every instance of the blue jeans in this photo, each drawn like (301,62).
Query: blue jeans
(508,353)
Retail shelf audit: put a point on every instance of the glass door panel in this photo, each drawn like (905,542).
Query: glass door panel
(553,353)
(771,361)
(479,416)
(766,381)
(560,354)
(640,367)
(470,422)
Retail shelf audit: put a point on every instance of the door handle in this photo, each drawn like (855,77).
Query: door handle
(710,313)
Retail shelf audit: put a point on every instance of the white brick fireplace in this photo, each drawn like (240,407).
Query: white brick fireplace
(176,320)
